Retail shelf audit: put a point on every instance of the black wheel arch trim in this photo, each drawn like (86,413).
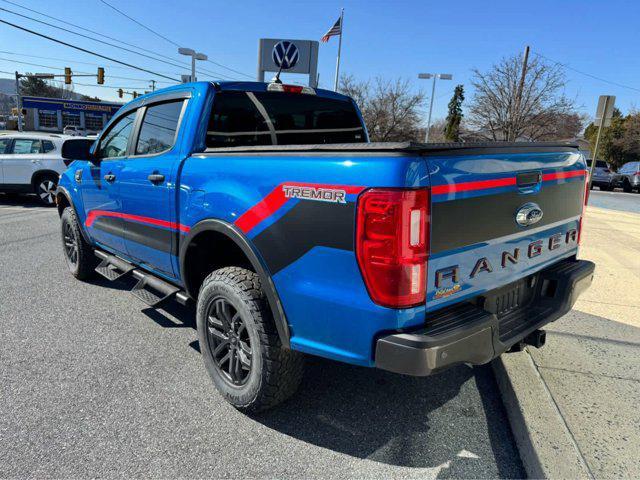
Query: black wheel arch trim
(64,192)
(235,235)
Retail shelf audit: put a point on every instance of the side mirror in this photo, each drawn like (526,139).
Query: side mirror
(78,149)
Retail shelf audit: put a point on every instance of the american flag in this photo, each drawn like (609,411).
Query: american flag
(333,31)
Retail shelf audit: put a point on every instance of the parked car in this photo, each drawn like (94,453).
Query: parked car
(74,131)
(628,177)
(602,175)
(31,162)
(266,206)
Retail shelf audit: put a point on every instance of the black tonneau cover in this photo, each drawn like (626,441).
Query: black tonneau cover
(459,148)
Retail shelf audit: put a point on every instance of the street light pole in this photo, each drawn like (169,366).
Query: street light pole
(441,76)
(194,56)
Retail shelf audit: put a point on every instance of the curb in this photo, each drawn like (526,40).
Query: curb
(547,447)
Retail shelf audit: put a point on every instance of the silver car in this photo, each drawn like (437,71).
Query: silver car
(628,177)
(602,175)
(31,162)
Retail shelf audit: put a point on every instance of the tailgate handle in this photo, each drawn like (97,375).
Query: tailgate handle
(528,179)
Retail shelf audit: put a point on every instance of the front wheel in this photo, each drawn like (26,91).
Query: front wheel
(77,252)
(239,342)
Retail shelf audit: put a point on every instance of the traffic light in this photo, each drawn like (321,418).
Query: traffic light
(100,76)
(120,92)
(67,75)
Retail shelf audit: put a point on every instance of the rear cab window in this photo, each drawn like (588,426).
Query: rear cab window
(279,118)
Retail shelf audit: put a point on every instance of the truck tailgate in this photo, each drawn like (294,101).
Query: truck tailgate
(498,215)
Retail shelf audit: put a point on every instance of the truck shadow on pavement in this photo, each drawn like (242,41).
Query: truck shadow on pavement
(453,421)
(18,200)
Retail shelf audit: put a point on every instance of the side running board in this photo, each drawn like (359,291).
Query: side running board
(150,289)
(112,267)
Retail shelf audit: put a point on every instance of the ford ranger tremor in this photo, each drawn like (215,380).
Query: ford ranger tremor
(266,206)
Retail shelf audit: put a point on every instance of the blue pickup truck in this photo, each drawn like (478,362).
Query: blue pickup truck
(267,206)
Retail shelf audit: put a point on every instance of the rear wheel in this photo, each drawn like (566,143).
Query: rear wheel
(77,252)
(239,342)
(626,186)
(46,187)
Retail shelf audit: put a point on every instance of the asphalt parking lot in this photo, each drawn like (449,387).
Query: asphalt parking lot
(616,200)
(94,384)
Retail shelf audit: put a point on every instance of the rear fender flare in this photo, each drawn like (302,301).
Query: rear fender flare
(257,263)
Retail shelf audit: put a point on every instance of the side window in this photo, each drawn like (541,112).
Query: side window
(47,146)
(159,126)
(25,146)
(114,143)
(4,145)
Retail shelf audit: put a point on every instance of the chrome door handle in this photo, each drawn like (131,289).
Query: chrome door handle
(110,177)
(156,178)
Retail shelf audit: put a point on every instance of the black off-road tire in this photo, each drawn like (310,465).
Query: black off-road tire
(274,373)
(78,253)
(626,186)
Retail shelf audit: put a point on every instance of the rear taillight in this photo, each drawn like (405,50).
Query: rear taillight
(637,174)
(392,245)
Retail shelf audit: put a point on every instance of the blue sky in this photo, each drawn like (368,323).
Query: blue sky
(381,38)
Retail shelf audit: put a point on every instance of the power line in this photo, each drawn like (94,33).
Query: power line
(169,40)
(141,24)
(168,61)
(611,82)
(89,38)
(89,30)
(79,72)
(107,65)
(85,50)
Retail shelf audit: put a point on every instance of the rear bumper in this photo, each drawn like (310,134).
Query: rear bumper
(473,333)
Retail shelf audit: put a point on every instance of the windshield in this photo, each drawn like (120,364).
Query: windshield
(277,118)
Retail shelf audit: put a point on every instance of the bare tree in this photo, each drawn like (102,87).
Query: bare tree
(389,108)
(542,113)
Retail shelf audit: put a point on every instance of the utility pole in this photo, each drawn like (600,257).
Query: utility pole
(19,101)
(603,119)
(515,117)
(153,85)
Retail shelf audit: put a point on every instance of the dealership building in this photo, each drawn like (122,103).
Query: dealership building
(53,114)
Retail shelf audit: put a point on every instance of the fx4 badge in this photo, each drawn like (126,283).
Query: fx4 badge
(313,193)
(528,214)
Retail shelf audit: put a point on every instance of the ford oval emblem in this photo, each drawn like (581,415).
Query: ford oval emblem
(528,214)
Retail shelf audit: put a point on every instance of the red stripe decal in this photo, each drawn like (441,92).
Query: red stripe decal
(498,182)
(93,214)
(276,199)
(560,175)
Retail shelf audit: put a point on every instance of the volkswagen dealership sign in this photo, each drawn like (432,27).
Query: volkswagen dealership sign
(295,56)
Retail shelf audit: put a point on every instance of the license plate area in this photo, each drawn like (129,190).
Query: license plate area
(512,297)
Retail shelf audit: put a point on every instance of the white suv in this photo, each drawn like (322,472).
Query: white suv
(31,162)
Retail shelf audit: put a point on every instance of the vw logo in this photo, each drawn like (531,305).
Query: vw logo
(528,214)
(285,54)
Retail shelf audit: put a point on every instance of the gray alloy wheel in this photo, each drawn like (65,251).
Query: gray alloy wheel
(46,191)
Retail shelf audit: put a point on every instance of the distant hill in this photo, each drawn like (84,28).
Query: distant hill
(8,91)
(7,86)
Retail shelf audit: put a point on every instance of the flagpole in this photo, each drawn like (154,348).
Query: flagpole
(335,83)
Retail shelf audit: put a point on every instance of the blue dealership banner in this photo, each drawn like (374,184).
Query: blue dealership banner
(42,103)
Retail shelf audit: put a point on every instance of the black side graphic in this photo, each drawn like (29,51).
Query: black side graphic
(148,235)
(306,225)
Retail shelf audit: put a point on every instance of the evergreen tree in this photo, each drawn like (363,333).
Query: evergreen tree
(454,117)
